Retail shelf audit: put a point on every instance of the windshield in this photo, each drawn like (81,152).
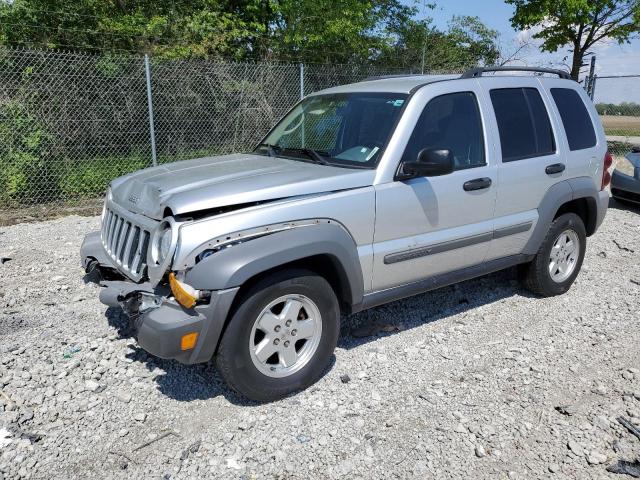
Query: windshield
(348,129)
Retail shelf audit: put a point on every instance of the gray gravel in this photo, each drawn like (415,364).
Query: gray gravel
(480,380)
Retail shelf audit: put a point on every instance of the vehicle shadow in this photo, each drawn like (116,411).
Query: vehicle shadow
(429,307)
(180,382)
(624,206)
(186,383)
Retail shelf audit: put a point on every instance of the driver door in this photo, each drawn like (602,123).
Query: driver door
(427,226)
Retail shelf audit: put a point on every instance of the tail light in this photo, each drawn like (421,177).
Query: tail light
(606,175)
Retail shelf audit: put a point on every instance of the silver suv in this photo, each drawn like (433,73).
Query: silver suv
(361,195)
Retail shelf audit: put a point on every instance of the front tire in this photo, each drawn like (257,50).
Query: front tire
(559,259)
(281,336)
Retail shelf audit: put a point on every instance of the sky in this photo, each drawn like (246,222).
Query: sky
(611,58)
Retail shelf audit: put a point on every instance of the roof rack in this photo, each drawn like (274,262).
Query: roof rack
(398,75)
(477,72)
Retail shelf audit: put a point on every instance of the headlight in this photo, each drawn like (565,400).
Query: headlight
(625,165)
(109,194)
(164,241)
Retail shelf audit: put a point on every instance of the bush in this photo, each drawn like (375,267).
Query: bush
(24,173)
(90,177)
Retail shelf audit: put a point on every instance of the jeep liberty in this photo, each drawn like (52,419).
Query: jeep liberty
(361,195)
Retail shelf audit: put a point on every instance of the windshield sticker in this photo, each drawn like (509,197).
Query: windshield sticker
(374,150)
(396,103)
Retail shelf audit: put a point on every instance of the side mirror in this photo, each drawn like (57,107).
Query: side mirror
(431,162)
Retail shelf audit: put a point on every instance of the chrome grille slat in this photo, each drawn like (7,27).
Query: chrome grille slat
(126,260)
(122,238)
(126,241)
(116,236)
(112,231)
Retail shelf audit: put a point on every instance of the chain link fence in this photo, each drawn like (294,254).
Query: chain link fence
(617,100)
(71,122)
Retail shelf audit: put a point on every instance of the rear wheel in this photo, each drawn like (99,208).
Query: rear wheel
(558,261)
(281,337)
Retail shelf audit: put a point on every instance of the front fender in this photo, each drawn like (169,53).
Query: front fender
(232,266)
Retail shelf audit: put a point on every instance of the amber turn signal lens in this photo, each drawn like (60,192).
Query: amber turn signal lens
(188,341)
(181,292)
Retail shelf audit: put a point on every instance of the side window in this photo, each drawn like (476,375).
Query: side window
(575,118)
(452,122)
(523,123)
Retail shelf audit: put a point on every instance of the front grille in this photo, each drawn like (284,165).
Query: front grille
(126,243)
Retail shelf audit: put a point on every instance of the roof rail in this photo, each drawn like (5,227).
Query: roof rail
(397,75)
(477,72)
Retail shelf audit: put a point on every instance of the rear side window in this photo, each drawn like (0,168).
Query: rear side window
(575,118)
(523,123)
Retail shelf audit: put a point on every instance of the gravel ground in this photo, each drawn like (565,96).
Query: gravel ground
(480,380)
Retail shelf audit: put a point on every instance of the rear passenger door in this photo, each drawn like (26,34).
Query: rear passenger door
(530,158)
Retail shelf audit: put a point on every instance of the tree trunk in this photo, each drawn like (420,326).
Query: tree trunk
(576,64)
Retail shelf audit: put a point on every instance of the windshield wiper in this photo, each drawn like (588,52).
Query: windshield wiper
(317,156)
(271,149)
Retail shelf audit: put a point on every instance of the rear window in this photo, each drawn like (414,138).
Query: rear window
(523,123)
(575,118)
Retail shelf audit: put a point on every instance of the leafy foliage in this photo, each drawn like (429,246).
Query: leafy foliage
(321,31)
(579,24)
(23,150)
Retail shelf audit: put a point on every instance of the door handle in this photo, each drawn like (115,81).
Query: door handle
(477,184)
(555,168)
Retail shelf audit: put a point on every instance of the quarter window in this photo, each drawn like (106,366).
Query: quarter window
(451,122)
(575,118)
(523,123)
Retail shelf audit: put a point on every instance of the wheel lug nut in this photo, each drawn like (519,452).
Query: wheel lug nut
(278,327)
(276,341)
(286,344)
(293,332)
(288,323)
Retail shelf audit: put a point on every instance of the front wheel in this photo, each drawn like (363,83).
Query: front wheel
(558,261)
(281,337)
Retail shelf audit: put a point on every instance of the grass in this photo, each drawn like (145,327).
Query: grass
(621,125)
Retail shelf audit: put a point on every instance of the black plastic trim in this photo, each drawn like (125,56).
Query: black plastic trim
(512,230)
(477,72)
(437,248)
(397,293)
(455,244)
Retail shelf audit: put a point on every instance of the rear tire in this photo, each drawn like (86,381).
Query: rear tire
(263,355)
(559,259)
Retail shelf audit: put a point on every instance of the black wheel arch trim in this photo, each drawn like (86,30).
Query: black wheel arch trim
(556,196)
(232,267)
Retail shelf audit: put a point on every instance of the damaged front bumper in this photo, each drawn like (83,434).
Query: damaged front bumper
(159,321)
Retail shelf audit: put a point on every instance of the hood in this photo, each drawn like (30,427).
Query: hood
(215,182)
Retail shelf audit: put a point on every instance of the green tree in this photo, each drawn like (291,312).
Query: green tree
(337,31)
(466,43)
(177,28)
(313,30)
(579,24)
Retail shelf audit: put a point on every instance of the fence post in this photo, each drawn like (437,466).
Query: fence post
(152,132)
(592,86)
(590,78)
(301,68)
